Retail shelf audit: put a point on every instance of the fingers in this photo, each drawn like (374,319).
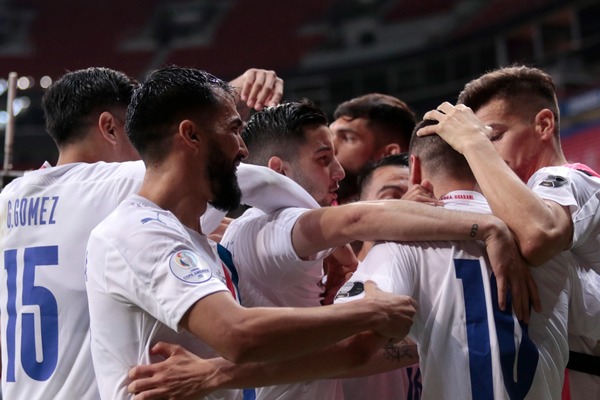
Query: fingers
(165,349)
(371,287)
(261,87)
(502,289)
(277,93)
(256,86)
(534,295)
(518,295)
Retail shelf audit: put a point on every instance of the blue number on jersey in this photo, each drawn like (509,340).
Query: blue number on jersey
(480,360)
(39,364)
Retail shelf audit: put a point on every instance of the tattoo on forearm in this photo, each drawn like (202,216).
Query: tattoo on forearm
(474,229)
(400,351)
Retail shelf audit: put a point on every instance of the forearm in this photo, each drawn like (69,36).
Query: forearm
(539,228)
(272,334)
(294,332)
(389,357)
(334,360)
(394,220)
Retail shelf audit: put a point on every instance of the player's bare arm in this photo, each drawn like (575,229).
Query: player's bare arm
(260,334)
(399,220)
(184,375)
(542,228)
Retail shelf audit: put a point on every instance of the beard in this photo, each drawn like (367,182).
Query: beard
(223,181)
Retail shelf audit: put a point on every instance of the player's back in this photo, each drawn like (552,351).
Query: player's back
(46,218)
(468,347)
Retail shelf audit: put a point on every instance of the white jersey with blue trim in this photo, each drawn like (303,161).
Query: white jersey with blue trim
(468,347)
(272,275)
(46,217)
(577,187)
(144,271)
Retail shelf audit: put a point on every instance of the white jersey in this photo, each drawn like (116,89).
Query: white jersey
(460,331)
(144,271)
(577,187)
(272,275)
(46,218)
(580,192)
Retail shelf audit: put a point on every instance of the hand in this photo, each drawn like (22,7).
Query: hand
(512,272)
(422,193)
(338,266)
(182,375)
(458,126)
(258,88)
(397,310)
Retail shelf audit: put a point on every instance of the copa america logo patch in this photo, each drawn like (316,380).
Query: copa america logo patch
(350,289)
(189,267)
(554,181)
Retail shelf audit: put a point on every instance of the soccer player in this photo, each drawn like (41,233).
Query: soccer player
(507,126)
(366,129)
(279,265)
(152,272)
(278,246)
(47,216)
(468,347)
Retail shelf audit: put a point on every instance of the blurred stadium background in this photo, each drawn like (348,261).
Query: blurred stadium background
(422,51)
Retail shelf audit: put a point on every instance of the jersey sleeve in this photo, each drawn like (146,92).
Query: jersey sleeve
(555,184)
(262,246)
(165,278)
(386,264)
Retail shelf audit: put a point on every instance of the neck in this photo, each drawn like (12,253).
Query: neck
(170,189)
(446,185)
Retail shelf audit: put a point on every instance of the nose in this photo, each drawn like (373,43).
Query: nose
(337,171)
(243,149)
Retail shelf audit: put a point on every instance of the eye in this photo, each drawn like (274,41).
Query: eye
(349,138)
(495,136)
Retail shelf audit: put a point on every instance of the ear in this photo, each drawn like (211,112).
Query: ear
(391,148)
(188,131)
(414,170)
(276,164)
(107,124)
(544,124)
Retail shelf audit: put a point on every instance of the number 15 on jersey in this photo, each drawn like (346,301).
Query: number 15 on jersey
(32,313)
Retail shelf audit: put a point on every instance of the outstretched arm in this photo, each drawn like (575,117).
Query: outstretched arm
(542,228)
(183,375)
(270,334)
(400,220)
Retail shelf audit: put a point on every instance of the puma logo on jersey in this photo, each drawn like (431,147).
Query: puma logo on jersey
(150,219)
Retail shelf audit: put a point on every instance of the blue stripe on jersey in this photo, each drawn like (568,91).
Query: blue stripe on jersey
(528,354)
(227,259)
(478,334)
(249,394)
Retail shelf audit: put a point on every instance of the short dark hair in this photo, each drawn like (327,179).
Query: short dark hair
(527,90)
(437,155)
(166,95)
(389,115)
(280,130)
(69,102)
(365,175)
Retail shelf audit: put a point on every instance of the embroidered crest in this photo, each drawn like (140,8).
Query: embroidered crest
(189,267)
(554,181)
(350,289)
